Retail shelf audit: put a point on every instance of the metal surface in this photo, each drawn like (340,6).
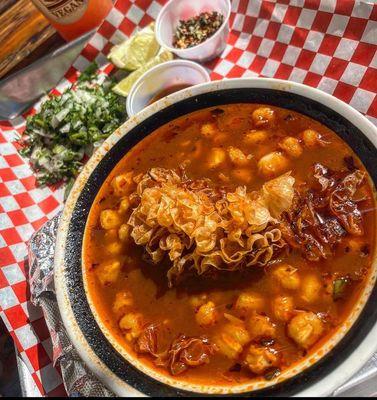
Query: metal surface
(28,386)
(20,90)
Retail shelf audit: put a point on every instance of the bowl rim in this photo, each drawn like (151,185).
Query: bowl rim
(162,43)
(326,385)
(164,65)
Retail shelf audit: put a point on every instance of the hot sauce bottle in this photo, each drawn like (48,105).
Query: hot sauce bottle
(72,18)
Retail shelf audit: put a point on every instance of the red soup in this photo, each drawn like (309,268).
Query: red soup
(230,243)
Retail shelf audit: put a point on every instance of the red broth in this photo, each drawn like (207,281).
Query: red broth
(250,317)
(167,91)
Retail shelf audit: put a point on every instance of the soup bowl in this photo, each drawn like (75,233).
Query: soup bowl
(333,363)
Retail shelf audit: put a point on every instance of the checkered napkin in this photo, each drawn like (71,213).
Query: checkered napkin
(329,44)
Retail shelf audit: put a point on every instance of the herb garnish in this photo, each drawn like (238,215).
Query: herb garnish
(339,287)
(69,127)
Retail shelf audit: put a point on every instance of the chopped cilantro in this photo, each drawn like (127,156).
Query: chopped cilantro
(70,126)
(339,287)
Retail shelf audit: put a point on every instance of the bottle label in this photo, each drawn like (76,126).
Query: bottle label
(62,11)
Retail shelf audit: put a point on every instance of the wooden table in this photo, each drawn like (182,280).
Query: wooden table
(25,35)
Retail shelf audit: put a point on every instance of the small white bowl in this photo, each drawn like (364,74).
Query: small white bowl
(176,10)
(162,77)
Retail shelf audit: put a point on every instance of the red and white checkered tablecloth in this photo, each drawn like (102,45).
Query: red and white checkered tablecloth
(328,44)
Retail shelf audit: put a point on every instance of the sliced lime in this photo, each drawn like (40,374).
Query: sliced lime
(135,51)
(123,87)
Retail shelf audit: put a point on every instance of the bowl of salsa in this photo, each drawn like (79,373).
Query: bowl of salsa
(162,80)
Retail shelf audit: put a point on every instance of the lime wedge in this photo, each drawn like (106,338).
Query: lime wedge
(135,51)
(123,87)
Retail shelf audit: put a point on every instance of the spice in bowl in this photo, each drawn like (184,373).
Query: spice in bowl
(197,29)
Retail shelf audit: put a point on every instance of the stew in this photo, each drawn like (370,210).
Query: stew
(230,243)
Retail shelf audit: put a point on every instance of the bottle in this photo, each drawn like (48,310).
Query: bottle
(72,18)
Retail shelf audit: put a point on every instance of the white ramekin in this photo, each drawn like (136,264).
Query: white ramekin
(175,10)
(161,77)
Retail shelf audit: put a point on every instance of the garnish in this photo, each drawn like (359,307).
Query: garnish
(124,87)
(136,51)
(89,73)
(69,127)
(339,287)
(197,29)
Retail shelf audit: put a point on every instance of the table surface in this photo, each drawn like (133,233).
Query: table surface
(25,35)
